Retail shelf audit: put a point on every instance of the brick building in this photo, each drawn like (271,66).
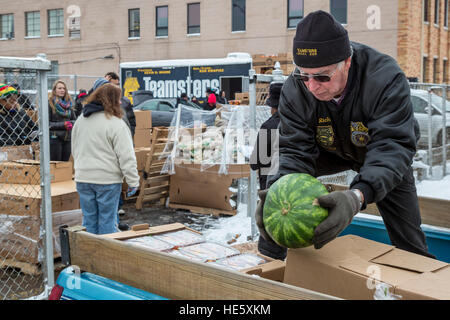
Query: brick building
(92,37)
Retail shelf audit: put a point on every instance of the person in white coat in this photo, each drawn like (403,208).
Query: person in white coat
(103,154)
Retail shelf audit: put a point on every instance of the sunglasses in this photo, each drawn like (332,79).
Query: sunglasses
(318,77)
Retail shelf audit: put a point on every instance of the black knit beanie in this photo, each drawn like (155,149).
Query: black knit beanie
(320,41)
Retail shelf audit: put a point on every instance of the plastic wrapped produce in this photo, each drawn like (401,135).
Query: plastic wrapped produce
(209,251)
(241,261)
(186,255)
(180,238)
(150,242)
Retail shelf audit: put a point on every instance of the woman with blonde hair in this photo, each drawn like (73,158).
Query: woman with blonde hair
(103,154)
(61,119)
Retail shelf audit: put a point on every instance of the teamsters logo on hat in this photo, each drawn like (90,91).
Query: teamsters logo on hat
(320,41)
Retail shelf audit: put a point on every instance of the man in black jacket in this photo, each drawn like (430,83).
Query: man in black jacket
(347,106)
(263,158)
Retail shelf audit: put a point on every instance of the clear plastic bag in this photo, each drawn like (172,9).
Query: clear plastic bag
(180,238)
(219,137)
(150,242)
(241,261)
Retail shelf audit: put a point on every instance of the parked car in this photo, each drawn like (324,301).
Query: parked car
(163,111)
(419,100)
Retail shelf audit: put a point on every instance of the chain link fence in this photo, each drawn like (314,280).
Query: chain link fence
(432,111)
(23,192)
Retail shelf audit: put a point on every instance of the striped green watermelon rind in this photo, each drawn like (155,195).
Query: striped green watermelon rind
(290,214)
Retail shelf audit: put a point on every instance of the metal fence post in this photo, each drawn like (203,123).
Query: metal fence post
(444,131)
(430,142)
(252,188)
(46,198)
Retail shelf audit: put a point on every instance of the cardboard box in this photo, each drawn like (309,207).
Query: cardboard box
(11,153)
(25,200)
(143,119)
(142,138)
(141,156)
(193,187)
(21,238)
(28,171)
(349,266)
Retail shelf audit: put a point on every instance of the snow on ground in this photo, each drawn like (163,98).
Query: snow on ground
(238,227)
(436,187)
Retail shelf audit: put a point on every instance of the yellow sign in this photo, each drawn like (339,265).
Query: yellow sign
(131,84)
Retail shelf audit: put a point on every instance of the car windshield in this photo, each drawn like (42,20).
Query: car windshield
(435,99)
(148,105)
(191,104)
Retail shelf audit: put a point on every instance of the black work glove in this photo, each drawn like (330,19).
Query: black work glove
(259,214)
(342,206)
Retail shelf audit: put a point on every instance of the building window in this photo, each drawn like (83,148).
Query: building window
(134,23)
(7,26)
(162,21)
(435,70)
(446,13)
(55,22)
(193,18)
(436,12)
(426,6)
(444,71)
(424,69)
(237,15)
(33,24)
(338,9)
(295,12)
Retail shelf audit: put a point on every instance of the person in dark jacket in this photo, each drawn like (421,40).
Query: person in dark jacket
(17,128)
(262,152)
(222,97)
(263,161)
(348,106)
(79,102)
(61,119)
(210,104)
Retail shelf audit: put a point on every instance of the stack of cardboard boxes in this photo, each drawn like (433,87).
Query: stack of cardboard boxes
(20,204)
(142,143)
(143,132)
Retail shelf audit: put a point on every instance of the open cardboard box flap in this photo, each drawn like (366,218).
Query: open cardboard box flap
(347,266)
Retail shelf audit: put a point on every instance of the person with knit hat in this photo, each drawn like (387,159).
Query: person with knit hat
(17,128)
(210,104)
(348,106)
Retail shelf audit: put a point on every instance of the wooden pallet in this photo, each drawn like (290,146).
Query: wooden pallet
(32,269)
(154,185)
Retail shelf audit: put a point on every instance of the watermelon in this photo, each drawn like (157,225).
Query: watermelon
(291,212)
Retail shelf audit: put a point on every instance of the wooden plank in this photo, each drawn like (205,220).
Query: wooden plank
(155,196)
(202,210)
(433,211)
(157,189)
(171,276)
(159,178)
